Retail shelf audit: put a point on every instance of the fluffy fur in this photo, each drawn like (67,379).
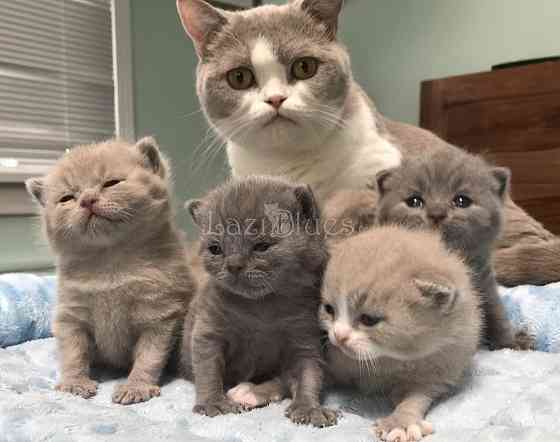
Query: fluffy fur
(255,319)
(326,132)
(461,197)
(123,280)
(399,323)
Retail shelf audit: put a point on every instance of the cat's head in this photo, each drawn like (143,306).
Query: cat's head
(101,194)
(381,297)
(451,191)
(260,236)
(272,76)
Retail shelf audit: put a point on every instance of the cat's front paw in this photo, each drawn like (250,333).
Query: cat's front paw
(401,428)
(316,416)
(82,386)
(133,393)
(216,408)
(251,396)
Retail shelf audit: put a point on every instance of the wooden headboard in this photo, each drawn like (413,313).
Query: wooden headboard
(512,117)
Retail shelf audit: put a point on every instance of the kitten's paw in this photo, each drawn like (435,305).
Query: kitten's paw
(401,428)
(251,396)
(316,416)
(215,408)
(83,387)
(133,393)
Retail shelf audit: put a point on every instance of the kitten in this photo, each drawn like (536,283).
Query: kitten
(277,86)
(460,196)
(123,280)
(399,323)
(255,320)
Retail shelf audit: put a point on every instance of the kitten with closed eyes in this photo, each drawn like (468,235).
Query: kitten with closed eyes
(123,281)
(402,320)
(255,320)
(461,197)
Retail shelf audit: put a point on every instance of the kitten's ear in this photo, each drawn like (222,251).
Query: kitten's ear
(440,296)
(308,204)
(325,11)
(195,208)
(381,181)
(200,21)
(153,159)
(502,176)
(35,188)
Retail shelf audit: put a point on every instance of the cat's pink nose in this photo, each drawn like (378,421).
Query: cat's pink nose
(276,101)
(341,334)
(88,202)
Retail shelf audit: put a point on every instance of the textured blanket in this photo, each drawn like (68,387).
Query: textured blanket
(510,396)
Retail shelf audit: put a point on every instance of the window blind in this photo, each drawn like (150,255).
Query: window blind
(56,81)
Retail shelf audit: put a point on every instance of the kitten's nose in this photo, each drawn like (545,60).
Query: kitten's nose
(234,264)
(276,101)
(87,202)
(341,334)
(437,217)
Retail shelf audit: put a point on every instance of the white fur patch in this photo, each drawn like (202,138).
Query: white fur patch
(270,73)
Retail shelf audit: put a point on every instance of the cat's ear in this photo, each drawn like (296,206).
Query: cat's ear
(325,11)
(440,296)
(502,176)
(195,209)
(153,159)
(307,203)
(381,181)
(200,21)
(35,187)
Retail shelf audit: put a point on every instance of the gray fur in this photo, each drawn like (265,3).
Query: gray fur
(438,178)
(429,327)
(255,320)
(123,280)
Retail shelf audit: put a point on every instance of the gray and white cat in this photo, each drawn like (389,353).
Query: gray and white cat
(123,281)
(277,86)
(255,320)
(461,197)
(402,320)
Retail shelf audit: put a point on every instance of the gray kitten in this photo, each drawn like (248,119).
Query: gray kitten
(255,320)
(123,280)
(462,197)
(398,323)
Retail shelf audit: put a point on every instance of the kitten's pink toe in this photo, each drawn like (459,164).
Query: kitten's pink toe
(243,394)
(414,433)
(397,435)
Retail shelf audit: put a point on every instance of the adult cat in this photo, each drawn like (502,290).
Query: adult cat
(275,84)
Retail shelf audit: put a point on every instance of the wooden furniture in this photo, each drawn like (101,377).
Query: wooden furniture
(512,117)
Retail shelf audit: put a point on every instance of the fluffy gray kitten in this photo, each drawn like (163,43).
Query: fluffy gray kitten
(398,323)
(460,196)
(123,280)
(256,318)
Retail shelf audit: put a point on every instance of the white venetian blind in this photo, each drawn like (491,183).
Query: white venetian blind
(56,81)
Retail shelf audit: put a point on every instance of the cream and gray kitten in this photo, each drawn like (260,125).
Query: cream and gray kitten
(402,319)
(123,280)
(462,197)
(256,318)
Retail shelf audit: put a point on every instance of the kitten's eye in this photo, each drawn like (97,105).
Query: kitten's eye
(262,247)
(305,68)
(370,321)
(111,183)
(215,249)
(329,309)
(66,198)
(240,78)
(462,201)
(415,202)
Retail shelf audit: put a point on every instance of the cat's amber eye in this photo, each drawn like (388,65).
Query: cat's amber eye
(215,249)
(305,68)
(369,321)
(329,309)
(240,78)
(66,198)
(111,183)
(262,246)
(415,202)
(462,201)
